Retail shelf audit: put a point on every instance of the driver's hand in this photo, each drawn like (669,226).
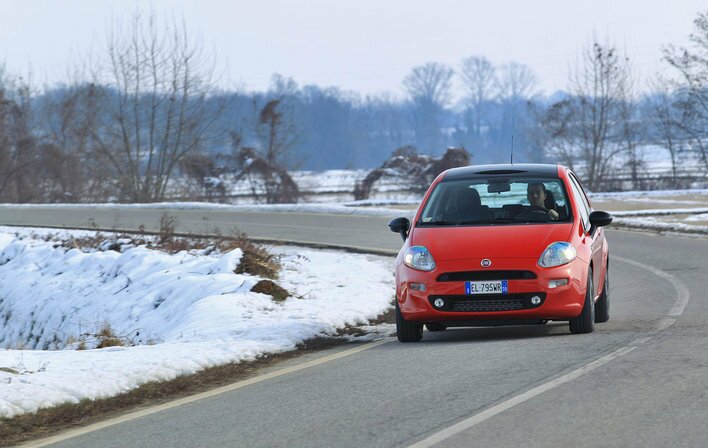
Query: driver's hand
(553,215)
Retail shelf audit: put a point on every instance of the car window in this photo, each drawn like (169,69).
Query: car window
(581,202)
(583,195)
(496,201)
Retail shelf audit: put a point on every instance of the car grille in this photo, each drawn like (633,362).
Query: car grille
(487,302)
(468,276)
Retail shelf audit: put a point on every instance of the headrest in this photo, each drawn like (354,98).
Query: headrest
(469,197)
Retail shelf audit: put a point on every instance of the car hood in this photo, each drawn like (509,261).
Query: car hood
(524,241)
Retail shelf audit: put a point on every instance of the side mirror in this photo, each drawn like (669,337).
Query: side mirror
(599,219)
(400,225)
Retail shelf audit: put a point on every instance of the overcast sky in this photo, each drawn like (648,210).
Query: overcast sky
(366,46)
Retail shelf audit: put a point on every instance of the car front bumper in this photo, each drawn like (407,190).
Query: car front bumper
(559,303)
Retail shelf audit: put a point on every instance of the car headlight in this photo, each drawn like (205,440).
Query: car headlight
(557,254)
(419,257)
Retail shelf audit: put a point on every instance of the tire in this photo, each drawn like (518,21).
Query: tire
(602,306)
(585,323)
(436,326)
(407,331)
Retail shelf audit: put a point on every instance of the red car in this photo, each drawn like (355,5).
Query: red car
(502,245)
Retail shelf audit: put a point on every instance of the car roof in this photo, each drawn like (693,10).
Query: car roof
(502,169)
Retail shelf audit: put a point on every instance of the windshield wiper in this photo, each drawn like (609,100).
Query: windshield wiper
(439,223)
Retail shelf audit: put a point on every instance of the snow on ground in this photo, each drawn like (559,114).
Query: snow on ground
(651,223)
(661,211)
(185,312)
(699,217)
(635,195)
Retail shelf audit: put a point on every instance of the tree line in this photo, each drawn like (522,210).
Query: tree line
(151,110)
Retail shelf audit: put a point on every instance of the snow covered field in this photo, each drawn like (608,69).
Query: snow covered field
(177,314)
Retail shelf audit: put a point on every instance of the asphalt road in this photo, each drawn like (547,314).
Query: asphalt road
(640,379)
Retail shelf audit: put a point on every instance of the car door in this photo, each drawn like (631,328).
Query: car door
(595,240)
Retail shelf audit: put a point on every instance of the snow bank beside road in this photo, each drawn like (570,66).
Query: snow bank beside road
(192,308)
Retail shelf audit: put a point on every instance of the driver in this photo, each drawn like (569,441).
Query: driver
(536,193)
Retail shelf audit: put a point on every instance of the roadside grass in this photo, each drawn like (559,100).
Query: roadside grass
(49,421)
(107,337)
(256,260)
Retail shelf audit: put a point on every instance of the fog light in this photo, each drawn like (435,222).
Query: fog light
(418,286)
(439,303)
(535,300)
(557,282)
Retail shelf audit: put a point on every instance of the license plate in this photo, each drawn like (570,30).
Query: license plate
(495,287)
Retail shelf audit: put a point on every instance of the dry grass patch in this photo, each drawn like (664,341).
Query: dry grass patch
(107,338)
(256,260)
(268,287)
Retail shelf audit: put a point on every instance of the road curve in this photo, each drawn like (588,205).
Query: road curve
(638,380)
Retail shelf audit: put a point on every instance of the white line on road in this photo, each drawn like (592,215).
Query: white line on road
(510,403)
(681,289)
(173,404)
(682,296)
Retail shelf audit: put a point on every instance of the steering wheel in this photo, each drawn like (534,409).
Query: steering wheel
(538,214)
(537,209)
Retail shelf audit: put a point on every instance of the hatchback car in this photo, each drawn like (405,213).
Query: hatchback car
(502,245)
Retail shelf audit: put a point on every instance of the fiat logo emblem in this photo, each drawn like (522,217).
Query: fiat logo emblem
(486,263)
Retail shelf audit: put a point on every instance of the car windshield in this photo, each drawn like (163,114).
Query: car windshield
(496,201)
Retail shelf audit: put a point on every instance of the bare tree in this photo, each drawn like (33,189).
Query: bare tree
(692,66)
(665,117)
(516,81)
(74,170)
(156,89)
(429,88)
(590,125)
(273,180)
(277,133)
(630,132)
(265,169)
(480,80)
(7,152)
(19,146)
(430,83)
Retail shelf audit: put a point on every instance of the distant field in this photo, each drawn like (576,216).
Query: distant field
(644,202)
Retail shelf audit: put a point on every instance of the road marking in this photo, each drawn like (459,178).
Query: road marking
(682,296)
(510,403)
(681,289)
(191,399)
(663,324)
(640,341)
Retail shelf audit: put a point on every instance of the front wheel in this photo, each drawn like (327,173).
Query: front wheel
(602,307)
(407,331)
(585,323)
